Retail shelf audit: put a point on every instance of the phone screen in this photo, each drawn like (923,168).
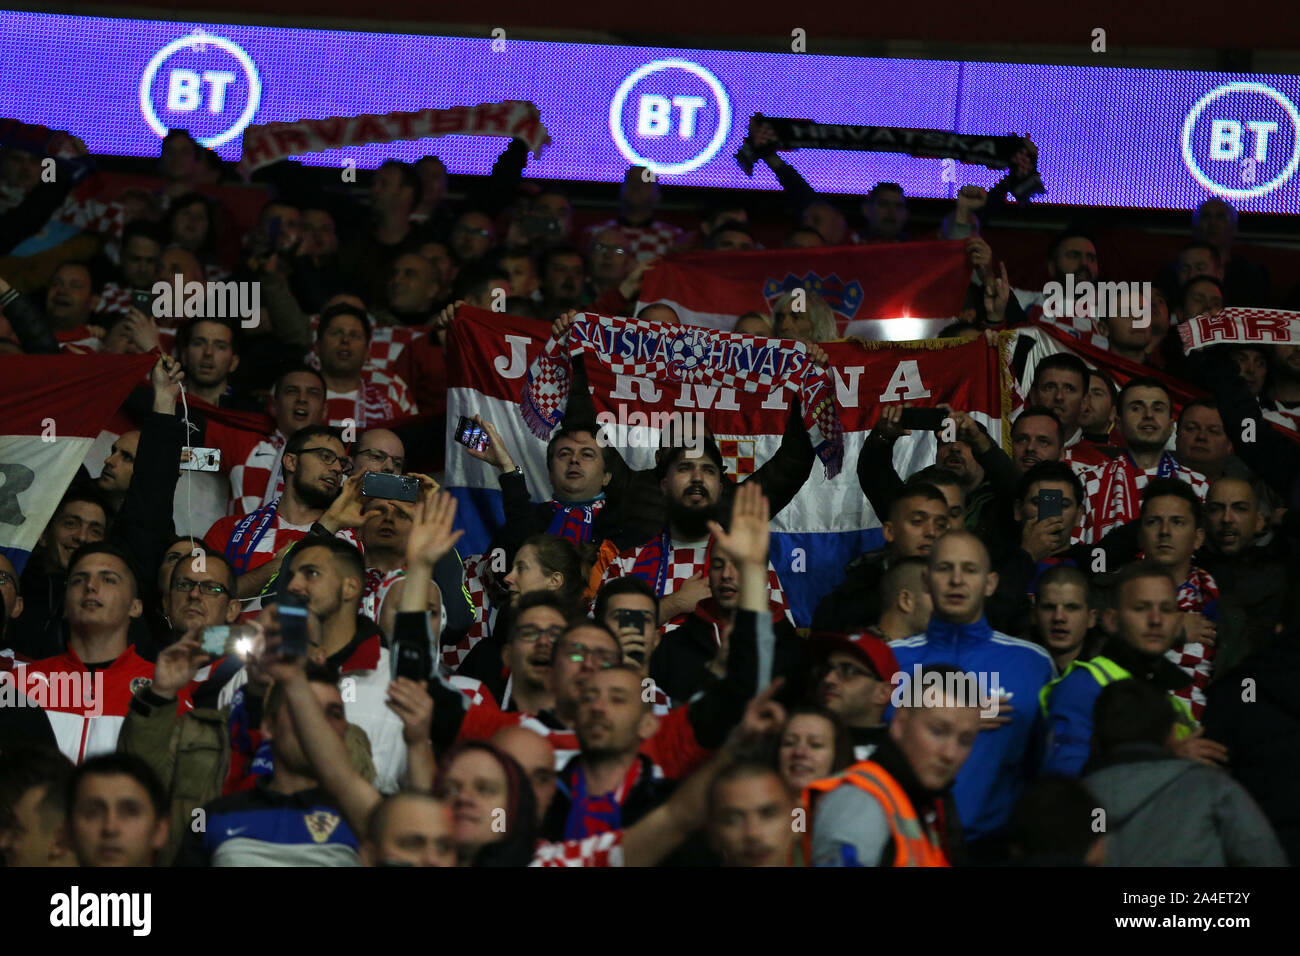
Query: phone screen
(471,435)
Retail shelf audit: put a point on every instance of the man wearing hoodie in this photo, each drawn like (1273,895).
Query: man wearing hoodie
(1162,810)
(1144,618)
(1012,672)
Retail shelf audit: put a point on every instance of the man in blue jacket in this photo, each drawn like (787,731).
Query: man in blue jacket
(1010,673)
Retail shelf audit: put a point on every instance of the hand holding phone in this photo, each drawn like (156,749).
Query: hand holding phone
(376,484)
(922,419)
(472,435)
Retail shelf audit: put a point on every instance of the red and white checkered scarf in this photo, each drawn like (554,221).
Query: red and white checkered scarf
(1200,595)
(685,354)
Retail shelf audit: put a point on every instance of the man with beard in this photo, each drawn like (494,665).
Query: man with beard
(1283,394)
(314,466)
(915,520)
(638,496)
(253,461)
(897,809)
(675,562)
(353,395)
(1258,587)
(610,783)
(1146,422)
(1098,416)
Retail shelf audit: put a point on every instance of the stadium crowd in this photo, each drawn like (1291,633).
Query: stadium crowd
(303,673)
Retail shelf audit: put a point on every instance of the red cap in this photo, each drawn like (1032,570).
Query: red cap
(872,650)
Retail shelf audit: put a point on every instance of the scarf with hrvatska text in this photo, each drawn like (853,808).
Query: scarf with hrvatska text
(686,354)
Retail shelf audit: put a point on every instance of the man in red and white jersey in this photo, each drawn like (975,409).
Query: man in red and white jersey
(315,465)
(676,561)
(86,690)
(363,398)
(252,460)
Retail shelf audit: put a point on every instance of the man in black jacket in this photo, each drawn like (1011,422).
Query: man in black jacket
(917,516)
(610,783)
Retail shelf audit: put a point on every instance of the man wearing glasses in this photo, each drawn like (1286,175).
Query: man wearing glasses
(379,450)
(853,679)
(314,466)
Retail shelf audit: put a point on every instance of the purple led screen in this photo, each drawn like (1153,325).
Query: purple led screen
(1108,137)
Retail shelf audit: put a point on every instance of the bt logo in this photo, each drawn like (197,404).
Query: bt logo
(202,83)
(1242,140)
(671,116)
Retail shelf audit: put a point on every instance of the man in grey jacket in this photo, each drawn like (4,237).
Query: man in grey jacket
(1162,810)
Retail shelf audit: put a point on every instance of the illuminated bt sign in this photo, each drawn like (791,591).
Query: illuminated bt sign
(203,83)
(1242,140)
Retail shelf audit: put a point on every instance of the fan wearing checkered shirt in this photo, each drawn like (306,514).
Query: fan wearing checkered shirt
(314,463)
(675,560)
(343,342)
(1146,422)
(646,237)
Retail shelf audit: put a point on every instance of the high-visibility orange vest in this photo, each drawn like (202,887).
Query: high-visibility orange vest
(913,845)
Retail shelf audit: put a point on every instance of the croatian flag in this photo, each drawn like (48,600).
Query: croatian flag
(826,525)
(896,290)
(52,409)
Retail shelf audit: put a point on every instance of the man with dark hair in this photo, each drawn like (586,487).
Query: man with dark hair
(1060,383)
(1036,436)
(538,620)
(1064,615)
(315,464)
(1202,445)
(898,809)
(285,819)
(252,461)
(33,807)
(1258,587)
(353,394)
(961,581)
(563,274)
(985,474)
(1054,826)
(1043,539)
(117,812)
(1144,617)
(209,350)
(750,813)
(369,254)
(1161,809)
(1146,422)
(676,560)
(1171,528)
(141,256)
(885,212)
(1098,416)
(916,518)
(610,783)
(472,237)
(70,299)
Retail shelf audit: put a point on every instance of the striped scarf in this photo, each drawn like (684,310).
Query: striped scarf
(574,521)
(1199,594)
(249,530)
